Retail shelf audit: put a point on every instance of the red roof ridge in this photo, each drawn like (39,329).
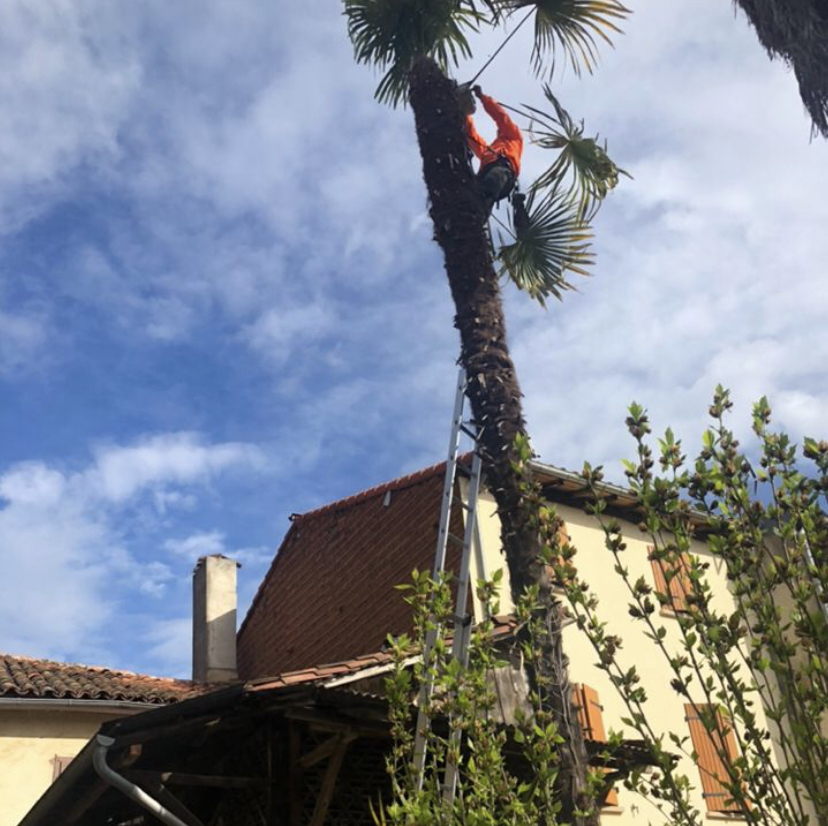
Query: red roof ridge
(101,669)
(399,483)
(504,625)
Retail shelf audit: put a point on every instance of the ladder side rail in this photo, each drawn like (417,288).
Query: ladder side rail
(464,575)
(450,476)
(462,625)
(427,686)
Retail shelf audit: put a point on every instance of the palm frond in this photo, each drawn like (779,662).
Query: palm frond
(390,34)
(572,27)
(555,242)
(582,166)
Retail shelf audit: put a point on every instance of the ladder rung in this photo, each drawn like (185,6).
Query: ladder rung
(458,539)
(472,434)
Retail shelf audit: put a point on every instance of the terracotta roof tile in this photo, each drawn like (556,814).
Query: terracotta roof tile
(329,594)
(503,627)
(26,677)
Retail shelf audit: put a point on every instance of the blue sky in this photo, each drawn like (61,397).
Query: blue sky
(220,302)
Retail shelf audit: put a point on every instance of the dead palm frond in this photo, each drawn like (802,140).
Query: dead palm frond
(554,242)
(390,34)
(797,31)
(583,166)
(573,27)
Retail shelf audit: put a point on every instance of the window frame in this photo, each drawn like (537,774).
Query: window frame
(59,765)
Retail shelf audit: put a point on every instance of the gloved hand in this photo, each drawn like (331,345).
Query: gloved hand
(477,90)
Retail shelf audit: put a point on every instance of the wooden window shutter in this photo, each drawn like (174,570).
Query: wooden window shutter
(59,765)
(680,585)
(592,723)
(711,765)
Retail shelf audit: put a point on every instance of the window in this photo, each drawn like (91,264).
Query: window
(59,765)
(679,586)
(592,723)
(711,748)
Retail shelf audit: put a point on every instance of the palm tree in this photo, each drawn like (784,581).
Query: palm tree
(414,42)
(797,31)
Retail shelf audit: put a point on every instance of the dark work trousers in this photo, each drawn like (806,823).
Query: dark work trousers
(495,181)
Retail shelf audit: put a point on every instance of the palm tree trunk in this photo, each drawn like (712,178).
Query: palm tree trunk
(460,228)
(797,31)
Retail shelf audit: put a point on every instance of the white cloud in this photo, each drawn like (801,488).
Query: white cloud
(166,500)
(64,538)
(264,193)
(23,338)
(710,260)
(63,94)
(170,645)
(33,484)
(196,545)
(277,333)
(167,459)
(206,543)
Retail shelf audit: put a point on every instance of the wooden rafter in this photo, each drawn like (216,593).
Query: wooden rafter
(323,802)
(184,779)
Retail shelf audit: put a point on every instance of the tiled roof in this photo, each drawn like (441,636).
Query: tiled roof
(44,679)
(329,594)
(503,627)
(322,673)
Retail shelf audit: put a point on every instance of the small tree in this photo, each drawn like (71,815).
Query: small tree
(766,522)
(505,776)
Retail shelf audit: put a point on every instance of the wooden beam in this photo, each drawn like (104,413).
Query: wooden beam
(85,802)
(339,724)
(80,807)
(165,797)
(184,779)
(171,729)
(294,775)
(271,818)
(323,802)
(322,751)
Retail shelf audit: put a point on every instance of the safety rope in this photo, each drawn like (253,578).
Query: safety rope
(500,47)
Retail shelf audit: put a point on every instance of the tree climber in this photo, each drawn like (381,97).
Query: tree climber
(500,160)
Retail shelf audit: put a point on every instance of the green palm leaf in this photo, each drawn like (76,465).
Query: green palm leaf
(390,34)
(582,163)
(555,242)
(573,27)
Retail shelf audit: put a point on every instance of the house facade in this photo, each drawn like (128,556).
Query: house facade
(330,595)
(50,710)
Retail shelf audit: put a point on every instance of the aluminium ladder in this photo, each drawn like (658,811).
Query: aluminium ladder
(462,619)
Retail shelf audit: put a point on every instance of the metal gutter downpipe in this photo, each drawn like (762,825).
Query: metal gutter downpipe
(102,746)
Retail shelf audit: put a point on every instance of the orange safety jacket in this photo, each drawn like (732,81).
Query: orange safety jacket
(508,143)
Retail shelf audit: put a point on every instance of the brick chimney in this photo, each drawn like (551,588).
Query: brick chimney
(214,620)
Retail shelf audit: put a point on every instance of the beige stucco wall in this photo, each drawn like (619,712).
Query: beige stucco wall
(595,564)
(29,742)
